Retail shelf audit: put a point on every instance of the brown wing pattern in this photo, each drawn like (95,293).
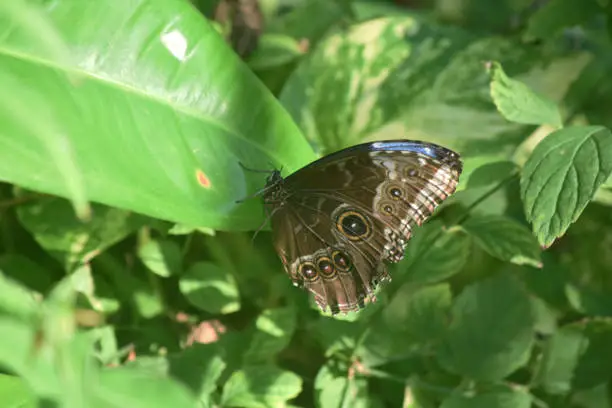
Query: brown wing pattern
(342,219)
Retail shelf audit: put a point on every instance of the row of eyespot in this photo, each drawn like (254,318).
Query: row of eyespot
(326,266)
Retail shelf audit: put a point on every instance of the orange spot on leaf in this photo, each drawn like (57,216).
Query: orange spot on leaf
(202,179)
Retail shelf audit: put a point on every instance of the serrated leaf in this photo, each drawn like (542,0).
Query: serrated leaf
(505,239)
(273,331)
(210,288)
(562,175)
(498,397)
(491,330)
(517,103)
(436,253)
(162,257)
(419,313)
(260,386)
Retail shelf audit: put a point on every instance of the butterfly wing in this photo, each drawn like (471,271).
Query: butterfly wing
(358,205)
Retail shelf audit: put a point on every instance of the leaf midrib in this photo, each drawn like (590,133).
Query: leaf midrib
(135,91)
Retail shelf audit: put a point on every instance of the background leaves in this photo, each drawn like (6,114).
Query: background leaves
(125,277)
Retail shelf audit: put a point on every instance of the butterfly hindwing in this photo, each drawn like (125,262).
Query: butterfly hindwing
(358,205)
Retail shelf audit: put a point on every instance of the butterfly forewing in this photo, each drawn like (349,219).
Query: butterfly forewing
(356,207)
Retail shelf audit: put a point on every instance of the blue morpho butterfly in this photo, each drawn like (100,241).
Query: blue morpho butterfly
(337,220)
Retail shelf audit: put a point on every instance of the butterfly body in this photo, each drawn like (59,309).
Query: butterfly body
(338,220)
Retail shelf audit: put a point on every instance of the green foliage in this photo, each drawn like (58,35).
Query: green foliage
(129,275)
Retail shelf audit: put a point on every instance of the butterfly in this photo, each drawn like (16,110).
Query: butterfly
(337,221)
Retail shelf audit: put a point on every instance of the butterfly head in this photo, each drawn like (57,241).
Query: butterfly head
(275,192)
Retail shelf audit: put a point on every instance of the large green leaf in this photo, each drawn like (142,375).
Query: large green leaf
(491,330)
(403,77)
(145,108)
(562,175)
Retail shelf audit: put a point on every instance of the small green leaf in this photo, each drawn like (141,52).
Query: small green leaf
(491,330)
(517,103)
(497,397)
(505,239)
(162,257)
(577,357)
(274,328)
(210,288)
(562,175)
(260,386)
(436,253)
(420,312)
(334,390)
(330,388)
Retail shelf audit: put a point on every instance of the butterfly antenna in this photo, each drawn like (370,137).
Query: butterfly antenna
(255,170)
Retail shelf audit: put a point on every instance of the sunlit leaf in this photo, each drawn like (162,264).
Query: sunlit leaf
(562,175)
(210,288)
(147,110)
(520,104)
(260,386)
